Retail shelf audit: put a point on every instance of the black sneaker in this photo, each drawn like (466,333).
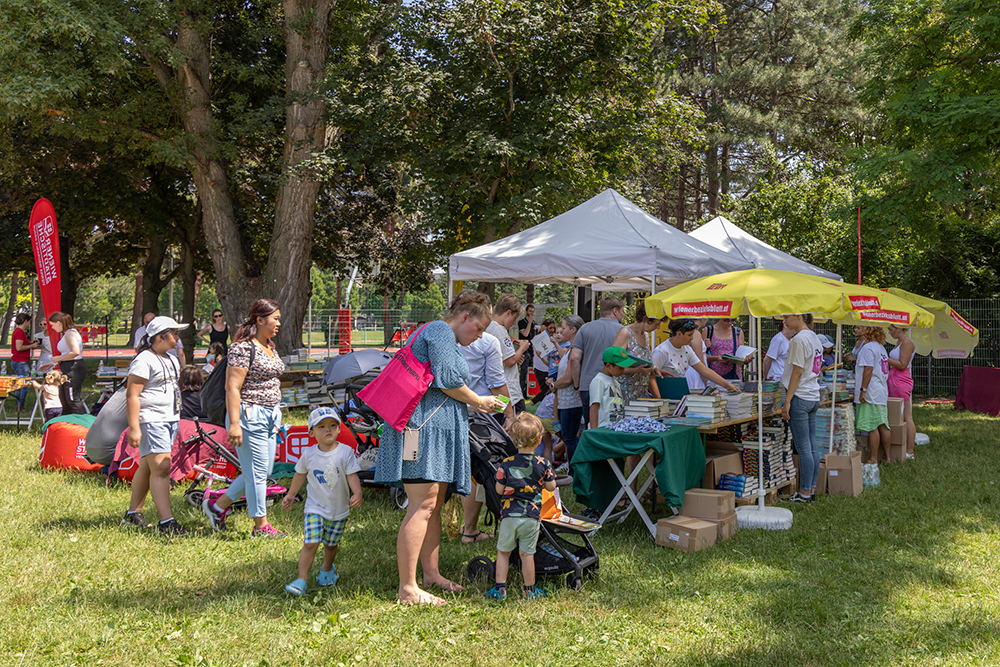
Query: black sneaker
(171,528)
(135,520)
(799,498)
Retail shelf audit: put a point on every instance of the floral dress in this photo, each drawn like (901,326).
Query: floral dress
(443,454)
(635,386)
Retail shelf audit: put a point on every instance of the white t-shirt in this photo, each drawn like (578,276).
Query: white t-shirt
(776,352)
(62,347)
(159,400)
(804,351)
(605,391)
(695,381)
(327,491)
(872,355)
(510,373)
(674,360)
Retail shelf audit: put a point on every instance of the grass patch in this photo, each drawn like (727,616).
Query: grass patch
(906,574)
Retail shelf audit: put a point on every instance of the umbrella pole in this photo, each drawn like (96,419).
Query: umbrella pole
(833,394)
(760,428)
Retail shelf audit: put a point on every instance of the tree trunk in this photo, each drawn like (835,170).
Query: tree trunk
(11,304)
(152,282)
(67,278)
(712,167)
(681,197)
(136,308)
(724,169)
(529,294)
(387,328)
(697,195)
(189,277)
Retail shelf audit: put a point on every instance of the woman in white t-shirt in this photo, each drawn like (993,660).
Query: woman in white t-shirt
(900,382)
(675,356)
(800,376)
(153,407)
(70,360)
(871,392)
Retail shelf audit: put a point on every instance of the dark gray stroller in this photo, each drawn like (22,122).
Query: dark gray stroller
(563,548)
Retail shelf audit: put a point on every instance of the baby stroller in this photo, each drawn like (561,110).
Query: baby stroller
(564,545)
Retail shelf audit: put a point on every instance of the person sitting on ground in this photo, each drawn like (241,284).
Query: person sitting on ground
(871,393)
(520,479)
(190,385)
(215,353)
(674,356)
(606,404)
(51,405)
(331,470)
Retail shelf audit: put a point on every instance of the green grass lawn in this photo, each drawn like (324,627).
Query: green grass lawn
(906,574)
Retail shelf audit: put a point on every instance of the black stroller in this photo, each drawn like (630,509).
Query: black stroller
(563,548)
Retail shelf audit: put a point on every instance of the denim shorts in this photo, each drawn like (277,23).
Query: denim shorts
(157,437)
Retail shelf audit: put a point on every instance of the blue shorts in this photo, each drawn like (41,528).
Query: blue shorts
(327,531)
(157,437)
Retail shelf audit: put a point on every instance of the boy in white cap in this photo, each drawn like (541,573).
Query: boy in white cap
(829,358)
(153,408)
(334,489)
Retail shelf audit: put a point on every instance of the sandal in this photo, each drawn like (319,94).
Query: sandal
(480,536)
(325,578)
(297,587)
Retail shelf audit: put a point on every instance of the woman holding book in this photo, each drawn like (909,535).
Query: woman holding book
(724,339)
(674,356)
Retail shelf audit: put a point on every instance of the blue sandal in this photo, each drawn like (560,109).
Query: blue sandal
(297,587)
(327,578)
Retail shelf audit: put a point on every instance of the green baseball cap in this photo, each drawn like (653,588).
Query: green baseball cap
(617,356)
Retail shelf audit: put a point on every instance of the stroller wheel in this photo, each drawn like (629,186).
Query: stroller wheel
(481,569)
(194,497)
(398,497)
(574,581)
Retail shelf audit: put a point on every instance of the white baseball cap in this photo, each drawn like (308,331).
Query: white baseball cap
(158,325)
(319,414)
(825,341)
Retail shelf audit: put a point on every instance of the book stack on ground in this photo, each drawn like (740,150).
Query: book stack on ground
(777,459)
(654,408)
(844,441)
(705,407)
(740,406)
(743,486)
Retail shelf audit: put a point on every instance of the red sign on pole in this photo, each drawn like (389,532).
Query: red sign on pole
(45,244)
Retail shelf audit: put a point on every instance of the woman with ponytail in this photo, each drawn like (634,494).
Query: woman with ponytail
(70,360)
(252,415)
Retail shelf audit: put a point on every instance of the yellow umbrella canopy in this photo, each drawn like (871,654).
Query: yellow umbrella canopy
(950,337)
(768,292)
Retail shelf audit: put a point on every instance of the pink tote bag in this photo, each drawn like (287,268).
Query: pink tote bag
(394,394)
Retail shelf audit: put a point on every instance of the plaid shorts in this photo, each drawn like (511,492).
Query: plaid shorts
(327,531)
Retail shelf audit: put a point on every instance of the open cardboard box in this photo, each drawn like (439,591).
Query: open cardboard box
(719,464)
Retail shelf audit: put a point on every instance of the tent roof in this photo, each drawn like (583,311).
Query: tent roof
(607,240)
(721,233)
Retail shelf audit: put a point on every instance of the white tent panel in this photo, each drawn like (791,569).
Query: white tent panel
(607,240)
(724,235)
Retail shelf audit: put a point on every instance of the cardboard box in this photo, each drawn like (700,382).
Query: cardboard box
(844,474)
(897,453)
(708,504)
(726,526)
(725,463)
(898,432)
(895,409)
(686,534)
(821,480)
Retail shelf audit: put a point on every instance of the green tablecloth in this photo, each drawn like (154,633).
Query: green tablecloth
(681,466)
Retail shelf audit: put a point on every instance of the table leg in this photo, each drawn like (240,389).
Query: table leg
(611,513)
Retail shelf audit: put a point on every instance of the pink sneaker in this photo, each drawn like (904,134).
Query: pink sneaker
(267,531)
(216,517)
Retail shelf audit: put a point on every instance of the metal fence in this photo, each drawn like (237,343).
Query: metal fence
(932,377)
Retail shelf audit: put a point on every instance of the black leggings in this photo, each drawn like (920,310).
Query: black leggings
(71,393)
(540,377)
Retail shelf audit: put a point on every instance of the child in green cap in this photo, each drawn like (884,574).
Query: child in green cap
(606,403)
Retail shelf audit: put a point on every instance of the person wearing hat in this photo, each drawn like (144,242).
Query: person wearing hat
(331,469)
(829,358)
(177,352)
(153,408)
(606,403)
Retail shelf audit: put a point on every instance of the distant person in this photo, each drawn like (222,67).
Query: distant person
(70,360)
(773,366)
(44,352)
(568,403)
(215,354)
(177,352)
(587,352)
(51,406)
(724,338)
(871,392)
(540,364)
(20,354)
(674,356)
(800,377)
(829,358)
(190,385)
(526,330)
(900,382)
(606,404)
(505,314)
(218,331)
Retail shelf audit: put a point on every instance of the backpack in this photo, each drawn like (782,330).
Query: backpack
(213,392)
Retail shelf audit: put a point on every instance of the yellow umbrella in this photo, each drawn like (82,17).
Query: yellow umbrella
(768,292)
(951,336)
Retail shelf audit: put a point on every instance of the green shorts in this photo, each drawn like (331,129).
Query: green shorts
(521,532)
(547,425)
(869,417)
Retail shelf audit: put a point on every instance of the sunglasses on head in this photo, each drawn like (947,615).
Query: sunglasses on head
(689,326)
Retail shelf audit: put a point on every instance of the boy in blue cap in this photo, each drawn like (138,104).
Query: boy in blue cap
(334,489)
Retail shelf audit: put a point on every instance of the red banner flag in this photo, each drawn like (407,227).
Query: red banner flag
(45,244)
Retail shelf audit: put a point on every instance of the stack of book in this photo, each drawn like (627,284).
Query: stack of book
(740,406)
(654,408)
(837,383)
(772,394)
(743,486)
(842,425)
(777,458)
(705,407)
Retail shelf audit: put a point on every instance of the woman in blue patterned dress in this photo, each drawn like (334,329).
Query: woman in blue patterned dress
(443,459)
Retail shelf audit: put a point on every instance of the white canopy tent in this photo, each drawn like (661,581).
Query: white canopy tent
(606,242)
(724,235)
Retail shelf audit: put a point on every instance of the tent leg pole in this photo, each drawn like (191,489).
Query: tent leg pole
(833,396)
(451,291)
